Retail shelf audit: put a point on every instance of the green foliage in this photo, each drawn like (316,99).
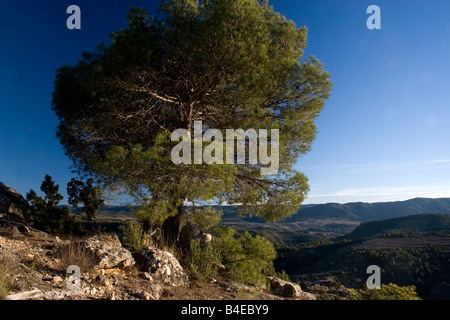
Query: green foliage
(280,275)
(204,217)
(87,194)
(228,63)
(386,292)
(47,215)
(134,236)
(203,262)
(247,258)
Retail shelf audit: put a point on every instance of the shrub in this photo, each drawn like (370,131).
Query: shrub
(203,262)
(271,272)
(246,257)
(134,236)
(386,292)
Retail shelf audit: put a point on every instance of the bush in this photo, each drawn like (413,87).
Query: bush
(246,257)
(203,262)
(271,272)
(386,292)
(134,236)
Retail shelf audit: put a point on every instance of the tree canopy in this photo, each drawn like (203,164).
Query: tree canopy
(228,63)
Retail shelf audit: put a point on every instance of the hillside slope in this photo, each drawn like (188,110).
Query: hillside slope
(423,223)
(361,211)
(353,211)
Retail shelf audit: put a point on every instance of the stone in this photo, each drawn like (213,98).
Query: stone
(57,280)
(288,289)
(107,254)
(111,238)
(190,232)
(144,295)
(147,276)
(33,294)
(155,291)
(164,267)
(13,206)
(103,280)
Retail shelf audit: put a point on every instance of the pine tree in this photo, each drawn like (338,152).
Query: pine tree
(231,64)
(48,216)
(87,194)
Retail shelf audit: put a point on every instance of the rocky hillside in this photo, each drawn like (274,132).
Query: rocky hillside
(38,266)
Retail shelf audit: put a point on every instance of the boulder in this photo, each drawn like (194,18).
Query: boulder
(154,291)
(164,267)
(108,254)
(13,228)
(190,232)
(288,289)
(18,226)
(13,206)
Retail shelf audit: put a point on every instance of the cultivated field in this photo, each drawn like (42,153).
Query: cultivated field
(410,242)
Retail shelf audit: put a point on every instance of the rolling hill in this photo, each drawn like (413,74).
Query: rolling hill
(353,211)
(421,223)
(361,211)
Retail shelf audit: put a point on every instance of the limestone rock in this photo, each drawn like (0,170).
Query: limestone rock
(152,292)
(288,289)
(164,267)
(13,206)
(26,295)
(108,254)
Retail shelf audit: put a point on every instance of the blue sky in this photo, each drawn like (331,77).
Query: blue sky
(382,136)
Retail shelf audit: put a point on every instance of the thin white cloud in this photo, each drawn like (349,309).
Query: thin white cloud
(441,161)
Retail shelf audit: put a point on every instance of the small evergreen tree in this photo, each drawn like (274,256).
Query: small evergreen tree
(134,236)
(246,257)
(48,216)
(203,263)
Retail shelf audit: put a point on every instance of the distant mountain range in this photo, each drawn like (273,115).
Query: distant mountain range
(361,211)
(354,211)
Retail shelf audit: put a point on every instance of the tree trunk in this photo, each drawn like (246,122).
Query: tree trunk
(171,228)
(96,225)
